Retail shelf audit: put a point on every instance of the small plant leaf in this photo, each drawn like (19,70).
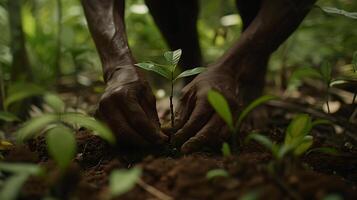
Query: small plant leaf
(34,126)
(17,168)
(190,72)
(123,180)
(173,57)
(333,197)
(216,173)
(326,71)
(338,82)
(321,122)
(12,186)
(55,102)
(299,127)
(261,139)
(8,117)
(221,106)
(304,145)
(325,150)
(332,10)
(226,149)
(5,145)
(90,123)
(304,72)
(163,71)
(252,106)
(20,92)
(61,145)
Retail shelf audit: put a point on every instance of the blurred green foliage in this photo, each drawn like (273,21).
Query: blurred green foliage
(320,36)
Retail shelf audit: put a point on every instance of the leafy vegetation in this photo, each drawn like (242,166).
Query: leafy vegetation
(168,71)
(221,106)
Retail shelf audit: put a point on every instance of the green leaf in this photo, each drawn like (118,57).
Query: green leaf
(90,123)
(333,197)
(331,10)
(305,72)
(190,72)
(12,186)
(253,195)
(326,71)
(61,145)
(226,149)
(221,106)
(16,168)
(321,122)
(325,150)
(123,180)
(216,173)
(252,106)
(21,92)
(55,102)
(338,82)
(261,139)
(8,117)
(34,126)
(304,145)
(163,71)
(299,127)
(173,57)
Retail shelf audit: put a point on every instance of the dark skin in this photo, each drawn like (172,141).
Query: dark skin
(128,105)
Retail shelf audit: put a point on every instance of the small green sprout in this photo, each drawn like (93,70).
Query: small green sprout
(324,74)
(297,139)
(60,140)
(168,71)
(216,173)
(122,181)
(20,172)
(221,106)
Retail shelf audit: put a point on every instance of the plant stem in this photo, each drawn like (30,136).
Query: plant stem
(354,97)
(327,98)
(171,104)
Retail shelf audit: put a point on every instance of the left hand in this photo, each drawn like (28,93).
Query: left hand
(197,125)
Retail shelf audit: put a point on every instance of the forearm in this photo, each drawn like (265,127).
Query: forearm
(274,23)
(105,20)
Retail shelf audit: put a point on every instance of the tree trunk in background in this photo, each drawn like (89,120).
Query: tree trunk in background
(59,41)
(20,68)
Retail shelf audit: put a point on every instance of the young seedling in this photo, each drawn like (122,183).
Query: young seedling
(326,74)
(20,172)
(296,143)
(60,140)
(168,71)
(221,106)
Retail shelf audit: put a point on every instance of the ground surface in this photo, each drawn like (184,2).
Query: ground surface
(316,175)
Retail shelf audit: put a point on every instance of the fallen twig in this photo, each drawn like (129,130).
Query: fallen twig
(152,190)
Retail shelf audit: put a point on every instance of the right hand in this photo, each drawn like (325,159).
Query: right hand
(128,108)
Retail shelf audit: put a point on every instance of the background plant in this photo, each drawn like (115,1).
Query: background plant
(221,106)
(297,140)
(56,125)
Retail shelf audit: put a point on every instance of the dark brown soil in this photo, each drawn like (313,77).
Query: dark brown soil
(185,177)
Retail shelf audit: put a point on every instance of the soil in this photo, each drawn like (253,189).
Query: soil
(315,175)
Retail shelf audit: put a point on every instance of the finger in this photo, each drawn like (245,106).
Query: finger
(125,135)
(138,119)
(148,104)
(199,117)
(208,136)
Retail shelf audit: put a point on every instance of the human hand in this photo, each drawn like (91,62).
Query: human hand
(196,123)
(128,107)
